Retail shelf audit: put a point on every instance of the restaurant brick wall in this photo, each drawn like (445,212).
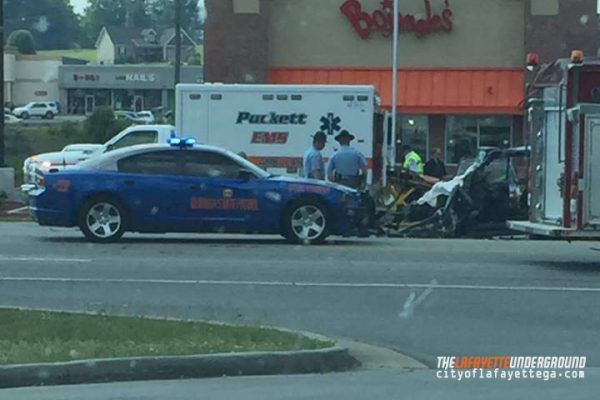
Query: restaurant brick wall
(554,36)
(235,45)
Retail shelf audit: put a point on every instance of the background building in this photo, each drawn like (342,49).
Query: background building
(120,45)
(462,74)
(30,78)
(123,87)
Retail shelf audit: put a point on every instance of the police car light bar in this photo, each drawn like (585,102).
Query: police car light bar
(176,141)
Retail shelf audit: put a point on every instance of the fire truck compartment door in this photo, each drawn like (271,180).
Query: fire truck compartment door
(592,171)
(553,202)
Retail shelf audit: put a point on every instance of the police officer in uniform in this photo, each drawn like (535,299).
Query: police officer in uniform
(312,163)
(347,166)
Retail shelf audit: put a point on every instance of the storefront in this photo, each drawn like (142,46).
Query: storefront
(461,62)
(122,87)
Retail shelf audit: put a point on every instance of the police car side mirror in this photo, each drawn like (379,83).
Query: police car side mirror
(246,174)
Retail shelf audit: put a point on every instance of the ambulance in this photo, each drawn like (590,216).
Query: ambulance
(272,125)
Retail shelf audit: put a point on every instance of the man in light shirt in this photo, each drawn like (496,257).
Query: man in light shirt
(313,165)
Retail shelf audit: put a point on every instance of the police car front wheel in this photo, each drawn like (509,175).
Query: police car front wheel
(306,222)
(102,220)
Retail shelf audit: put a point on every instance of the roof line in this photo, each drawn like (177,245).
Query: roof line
(380,68)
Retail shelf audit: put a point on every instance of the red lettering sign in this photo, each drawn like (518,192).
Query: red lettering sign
(204,203)
(382,19)
(269,137)
(308,188)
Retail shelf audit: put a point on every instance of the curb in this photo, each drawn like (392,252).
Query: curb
(185,367)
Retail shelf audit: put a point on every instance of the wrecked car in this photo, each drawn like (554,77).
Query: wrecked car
(485,193)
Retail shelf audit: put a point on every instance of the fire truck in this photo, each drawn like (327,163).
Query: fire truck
(563,114)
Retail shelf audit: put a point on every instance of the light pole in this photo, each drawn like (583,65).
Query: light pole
(392,136)
(2,151)
(177,41)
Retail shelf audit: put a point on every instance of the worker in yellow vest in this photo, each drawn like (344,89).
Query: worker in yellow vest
(412,161)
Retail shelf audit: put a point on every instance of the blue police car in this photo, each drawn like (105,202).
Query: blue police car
(183,187)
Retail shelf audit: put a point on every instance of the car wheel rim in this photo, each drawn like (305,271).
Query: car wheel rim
(308,222)
(103,220)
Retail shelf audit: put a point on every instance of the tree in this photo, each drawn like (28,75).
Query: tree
(195,59)
(52,23)
(101,13)
(102,125)
(162,13)
(21,40)
(138,13)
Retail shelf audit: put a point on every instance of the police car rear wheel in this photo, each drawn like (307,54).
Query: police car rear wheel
(306,222)
(102,220)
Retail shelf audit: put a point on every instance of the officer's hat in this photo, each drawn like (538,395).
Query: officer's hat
(320,136)
(344,134)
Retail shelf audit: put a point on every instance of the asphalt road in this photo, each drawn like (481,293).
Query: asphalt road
(386,385)
(426,298)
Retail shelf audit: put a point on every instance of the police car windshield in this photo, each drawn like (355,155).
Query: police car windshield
(261,173)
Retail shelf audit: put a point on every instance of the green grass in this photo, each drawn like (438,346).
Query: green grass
(85,54)
(15,218)
(37,336)
(90,54)
(24,141)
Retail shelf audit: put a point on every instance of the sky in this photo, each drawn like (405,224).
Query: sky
(79,5)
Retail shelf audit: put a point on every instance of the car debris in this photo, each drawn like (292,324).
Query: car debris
(476,202)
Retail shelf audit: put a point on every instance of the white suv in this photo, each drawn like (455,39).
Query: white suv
(43,109)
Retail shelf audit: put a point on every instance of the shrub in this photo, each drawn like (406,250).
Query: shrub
(21,40)
(102,125)
(69,130)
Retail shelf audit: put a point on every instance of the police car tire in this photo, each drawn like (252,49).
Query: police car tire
(91,203)
(288,231)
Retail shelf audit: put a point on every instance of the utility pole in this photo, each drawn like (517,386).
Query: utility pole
(392,148)
(177,41)
(2,150)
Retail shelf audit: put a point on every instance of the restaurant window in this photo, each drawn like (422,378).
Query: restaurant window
(466,134)
(414,131)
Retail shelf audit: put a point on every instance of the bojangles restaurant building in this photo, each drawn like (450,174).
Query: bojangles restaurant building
(461,62)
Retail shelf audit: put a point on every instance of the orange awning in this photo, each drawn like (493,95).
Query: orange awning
(424,90)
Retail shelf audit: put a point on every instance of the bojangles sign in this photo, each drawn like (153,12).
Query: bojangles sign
(382,19)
